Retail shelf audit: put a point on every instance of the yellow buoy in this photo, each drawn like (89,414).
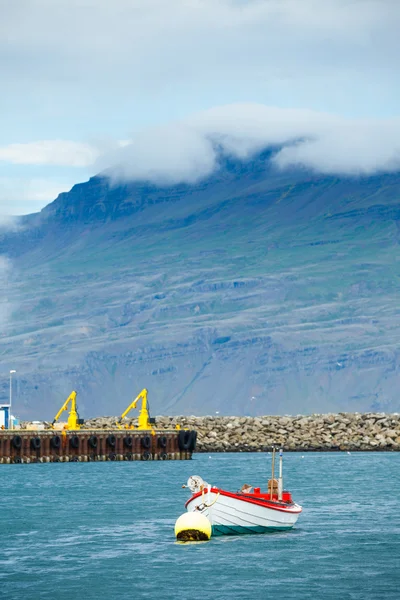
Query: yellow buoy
(192,527)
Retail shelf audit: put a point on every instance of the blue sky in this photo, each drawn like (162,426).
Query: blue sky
(81,77)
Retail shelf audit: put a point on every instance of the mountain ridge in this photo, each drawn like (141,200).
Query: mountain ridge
(253,291)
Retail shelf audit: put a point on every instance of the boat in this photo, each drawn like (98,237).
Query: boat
(248,510)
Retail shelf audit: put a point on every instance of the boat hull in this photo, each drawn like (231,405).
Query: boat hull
(230,514)
(241,529)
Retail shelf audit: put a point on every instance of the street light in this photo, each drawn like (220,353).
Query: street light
(10,423)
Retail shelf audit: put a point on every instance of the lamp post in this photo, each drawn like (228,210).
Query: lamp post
(10,424)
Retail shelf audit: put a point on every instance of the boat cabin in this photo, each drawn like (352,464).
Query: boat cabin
(257,493)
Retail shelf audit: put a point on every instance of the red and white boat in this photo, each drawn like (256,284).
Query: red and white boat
(247,511)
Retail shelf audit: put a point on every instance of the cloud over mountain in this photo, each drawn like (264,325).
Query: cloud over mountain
(76,71)
(187,150)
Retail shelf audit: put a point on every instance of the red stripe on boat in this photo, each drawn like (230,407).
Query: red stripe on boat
(264,503)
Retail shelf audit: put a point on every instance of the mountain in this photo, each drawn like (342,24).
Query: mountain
(254,291)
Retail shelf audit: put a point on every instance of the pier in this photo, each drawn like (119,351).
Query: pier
(29,446)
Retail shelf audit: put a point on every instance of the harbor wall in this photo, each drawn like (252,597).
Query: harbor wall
(329,432)
(90,445)
(322,432)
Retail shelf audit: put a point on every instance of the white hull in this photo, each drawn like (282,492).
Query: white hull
(231,515)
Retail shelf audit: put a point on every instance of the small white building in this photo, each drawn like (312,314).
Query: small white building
(5,416)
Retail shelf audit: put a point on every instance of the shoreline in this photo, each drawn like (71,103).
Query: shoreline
(350,432)
(311,433)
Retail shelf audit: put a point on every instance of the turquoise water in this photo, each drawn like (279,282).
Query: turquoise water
(106,530)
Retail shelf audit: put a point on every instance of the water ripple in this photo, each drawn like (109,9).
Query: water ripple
(106,531)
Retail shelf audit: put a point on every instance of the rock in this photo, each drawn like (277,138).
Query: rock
(347,431)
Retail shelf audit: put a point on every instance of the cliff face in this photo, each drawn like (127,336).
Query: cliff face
(251,292)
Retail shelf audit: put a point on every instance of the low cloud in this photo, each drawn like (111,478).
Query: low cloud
(22,195)
(348,148)
(5,304)
(50,152)
(163,155)
(9,223)
(188,150)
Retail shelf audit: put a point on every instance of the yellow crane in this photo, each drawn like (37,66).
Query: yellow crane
(73,422)
(144,420)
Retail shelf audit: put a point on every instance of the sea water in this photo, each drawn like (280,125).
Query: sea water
(106,530)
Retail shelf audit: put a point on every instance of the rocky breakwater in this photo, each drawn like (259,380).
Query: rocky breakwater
(344,431)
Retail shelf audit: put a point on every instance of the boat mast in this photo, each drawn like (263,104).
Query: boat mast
(280,479)
(273,473)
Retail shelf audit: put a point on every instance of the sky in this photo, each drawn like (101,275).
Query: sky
(143,87)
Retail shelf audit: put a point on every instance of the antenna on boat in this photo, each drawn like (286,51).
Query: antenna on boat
(273,473)
(280,479)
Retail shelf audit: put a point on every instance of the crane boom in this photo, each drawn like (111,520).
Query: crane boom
(144,420)
(73,422)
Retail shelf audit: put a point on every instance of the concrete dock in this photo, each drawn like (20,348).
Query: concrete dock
(29,446)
